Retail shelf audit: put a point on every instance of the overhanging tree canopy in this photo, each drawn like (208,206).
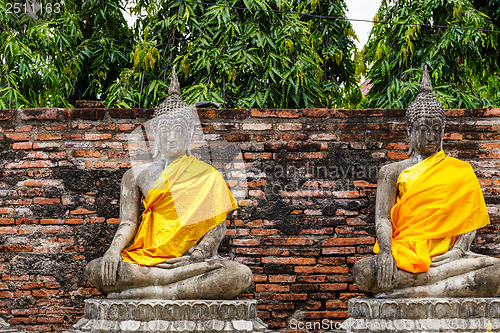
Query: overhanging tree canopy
(463,63)
(242,57)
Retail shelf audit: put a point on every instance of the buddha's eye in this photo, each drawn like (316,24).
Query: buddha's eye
(437,128)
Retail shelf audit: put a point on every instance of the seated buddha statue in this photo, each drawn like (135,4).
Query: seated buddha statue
(172,252)
(428,208)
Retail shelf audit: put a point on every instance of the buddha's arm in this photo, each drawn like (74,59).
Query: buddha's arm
(464,241)
(129,216)
(386,197)
(206,248)
(462,245)
(208,245)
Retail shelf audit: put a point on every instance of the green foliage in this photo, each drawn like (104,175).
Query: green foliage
(463,64)
(59,58)
(239,57)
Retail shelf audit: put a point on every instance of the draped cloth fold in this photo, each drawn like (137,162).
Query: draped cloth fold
(438,199)
(188,199)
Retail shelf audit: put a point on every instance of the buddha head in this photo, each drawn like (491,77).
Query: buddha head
(425,120)
(173,123)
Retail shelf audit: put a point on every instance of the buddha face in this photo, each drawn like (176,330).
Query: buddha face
(427,135)
(173,137)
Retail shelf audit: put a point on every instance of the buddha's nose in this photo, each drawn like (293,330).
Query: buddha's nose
(431,136)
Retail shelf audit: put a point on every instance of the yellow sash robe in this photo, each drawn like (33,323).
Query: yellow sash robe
(438,199)
(188,199)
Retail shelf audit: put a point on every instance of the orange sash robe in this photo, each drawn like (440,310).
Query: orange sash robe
(438,199)
(188,199)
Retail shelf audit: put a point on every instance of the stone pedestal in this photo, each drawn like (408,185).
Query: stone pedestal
(427,315)
(107,315)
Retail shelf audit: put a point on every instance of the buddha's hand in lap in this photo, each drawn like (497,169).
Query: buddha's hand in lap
(447,257)
(110,263)
(188,260)
(386,269)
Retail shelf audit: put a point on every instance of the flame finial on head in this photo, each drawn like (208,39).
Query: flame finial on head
(425,104)
(175,87)
(425,84)
(173,107)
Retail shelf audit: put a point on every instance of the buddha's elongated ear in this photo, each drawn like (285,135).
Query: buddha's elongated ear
(443,125)
(411,139)
(189,139)
(156,143)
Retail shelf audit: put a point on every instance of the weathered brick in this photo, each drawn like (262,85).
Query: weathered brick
(73,221)
(290,127)
(39,182)
(82,126)
(348,241)
(51,320)
(324,137)
(18,136)
(271,287)
(282,279)
(358,126)
(95,136)
(231,114)
(257,127)
(44,293)
(274,113)
(6,114)
(25,312)
(130,113)
(321,269)
(85,113)
(338,250)
(107,127)
(289,261)
(46,201)
(22,145)
(397,155)
(294,137)
(38,328)
(45,137)
(495,112)
(39,114)
(246,242)
(317,113)
(85,153)
(28,285)
(237,137)
(59,127)
(207,113)
(30,164)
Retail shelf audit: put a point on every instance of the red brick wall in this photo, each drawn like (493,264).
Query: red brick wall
(307,219)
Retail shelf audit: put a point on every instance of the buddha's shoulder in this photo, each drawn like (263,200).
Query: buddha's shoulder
(393,170)
(457,162)
(151,169)
(455,165)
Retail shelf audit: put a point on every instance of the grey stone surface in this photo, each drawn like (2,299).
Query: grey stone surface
(106,315)
(457,272)
(5,328)
(423,315)
(199,273)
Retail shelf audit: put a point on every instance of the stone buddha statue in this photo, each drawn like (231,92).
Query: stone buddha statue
(172,253)
(428,208)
